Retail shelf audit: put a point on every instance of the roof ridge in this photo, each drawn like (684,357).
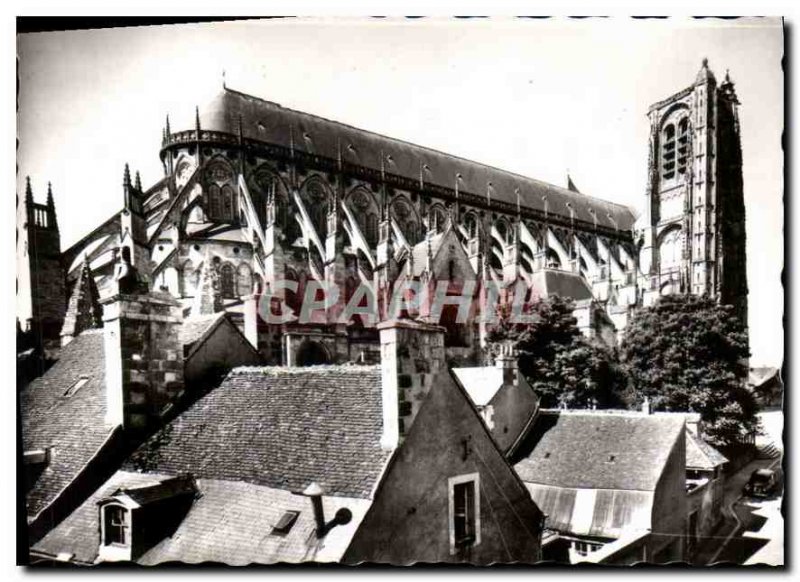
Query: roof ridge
(433,150)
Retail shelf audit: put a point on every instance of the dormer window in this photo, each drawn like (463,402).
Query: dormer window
(116,525)
(133,520)
(465,521)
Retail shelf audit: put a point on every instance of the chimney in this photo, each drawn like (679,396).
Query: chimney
(143,353)
(507,361)
(412,353)
(315,492)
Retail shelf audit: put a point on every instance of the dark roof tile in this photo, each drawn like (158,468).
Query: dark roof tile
(597,450)
(280,427)
(73,426)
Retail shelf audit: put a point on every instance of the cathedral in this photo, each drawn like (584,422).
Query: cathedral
(258,200)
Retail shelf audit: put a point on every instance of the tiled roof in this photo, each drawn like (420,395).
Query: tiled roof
(701,455)
(269,122)
(419,253)
(73,426)
(597,450)
(481,383)
(83,308)
(229,522)
(282,428)
(549,282)
(193,328)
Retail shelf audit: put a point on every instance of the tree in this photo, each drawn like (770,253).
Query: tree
(688,353)
(560,364)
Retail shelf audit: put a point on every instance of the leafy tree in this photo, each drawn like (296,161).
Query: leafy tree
(688,353)
(560,364)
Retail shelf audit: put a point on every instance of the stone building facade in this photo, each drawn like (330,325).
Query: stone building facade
(267,195)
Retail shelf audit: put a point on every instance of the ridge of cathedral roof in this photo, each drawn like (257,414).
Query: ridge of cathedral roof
(270,122)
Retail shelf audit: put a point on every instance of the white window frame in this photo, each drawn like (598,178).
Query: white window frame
(451,483)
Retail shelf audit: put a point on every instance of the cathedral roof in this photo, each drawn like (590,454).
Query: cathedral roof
(271,123)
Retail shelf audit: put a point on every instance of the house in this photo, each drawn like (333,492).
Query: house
(117,379)
(387,464)
(767,385)
(601,477)
(505,400)
(705,483)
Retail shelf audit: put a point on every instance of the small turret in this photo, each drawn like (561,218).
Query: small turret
(197,120)
(28,191)
(704,75)
(51,208)
(126,186)
(138,182)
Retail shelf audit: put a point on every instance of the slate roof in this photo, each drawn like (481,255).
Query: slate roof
(214,529)
(269,122)
(597,450)
(281,428)
(700,454)
(73,426)
(549,282)
(481,383)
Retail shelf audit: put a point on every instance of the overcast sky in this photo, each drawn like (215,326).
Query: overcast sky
(530,96)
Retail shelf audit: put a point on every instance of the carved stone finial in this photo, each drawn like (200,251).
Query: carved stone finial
(138,182)
(126,176)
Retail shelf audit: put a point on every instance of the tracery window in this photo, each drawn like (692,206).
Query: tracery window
(366,215)
(220,197)
(406,220)
(226,281)
(438,219)
(669,250)
(317,205)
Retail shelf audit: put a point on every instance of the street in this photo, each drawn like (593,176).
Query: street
(752,529)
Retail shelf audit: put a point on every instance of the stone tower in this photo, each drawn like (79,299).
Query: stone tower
(693,226)
(41,295)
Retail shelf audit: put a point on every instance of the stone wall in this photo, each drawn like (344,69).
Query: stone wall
(412,353)
(144,358)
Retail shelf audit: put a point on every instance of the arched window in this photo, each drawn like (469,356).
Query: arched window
(372,229)
(683,145)
(214,202)
(407,220)
(312,353)
(221,202)
(668,152)
(244,280)
(503,230)
(471,225)
(226,281)
(227,204)
(552,259)
(317,206)
(438,219)
(669,250)
(365,211)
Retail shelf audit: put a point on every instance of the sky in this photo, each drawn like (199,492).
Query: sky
(537,97)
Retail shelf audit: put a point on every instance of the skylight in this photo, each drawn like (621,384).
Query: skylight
(80,383)
(285,523)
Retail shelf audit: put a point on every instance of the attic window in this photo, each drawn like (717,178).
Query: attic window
(465,520)
(611,458)
(285,523)
(70,392)
(547,455)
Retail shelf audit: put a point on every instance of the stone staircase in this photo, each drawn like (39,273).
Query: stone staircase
(769,451)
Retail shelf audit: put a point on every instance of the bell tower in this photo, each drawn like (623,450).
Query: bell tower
(693,227)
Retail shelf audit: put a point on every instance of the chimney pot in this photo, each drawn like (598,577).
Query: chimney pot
(315,492)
